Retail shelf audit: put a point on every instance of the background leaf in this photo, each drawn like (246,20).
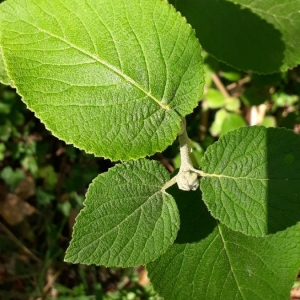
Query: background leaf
(127,220)
(226,121)
(252,181)
(114,79)
(209,261)
(249,35)
(214,99)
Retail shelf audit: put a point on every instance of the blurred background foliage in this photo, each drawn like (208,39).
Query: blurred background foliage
(43,182)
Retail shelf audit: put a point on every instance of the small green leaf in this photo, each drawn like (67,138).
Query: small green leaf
(232,121)
(282,99)
(231,75)
(112,78)
(128,220)
(226,121)
(249,35)
(232,104)
(209,261)
(269,121)
(217,124)
(252,180)
(12,177)
(214,98)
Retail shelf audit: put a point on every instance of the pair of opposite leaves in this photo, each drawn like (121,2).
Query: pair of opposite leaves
(251,179)
(116,78)
(84,67)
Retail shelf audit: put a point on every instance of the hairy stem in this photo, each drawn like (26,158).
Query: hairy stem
(185,148)
(187,178)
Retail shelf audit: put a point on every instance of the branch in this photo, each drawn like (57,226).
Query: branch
(219,85)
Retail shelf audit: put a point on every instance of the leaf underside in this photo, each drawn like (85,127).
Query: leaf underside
(127,220)
(249,35)
(113,78)
(252,180)
(210,261)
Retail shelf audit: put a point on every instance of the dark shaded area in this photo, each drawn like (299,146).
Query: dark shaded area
(234,34)
(283,169)
(196,223)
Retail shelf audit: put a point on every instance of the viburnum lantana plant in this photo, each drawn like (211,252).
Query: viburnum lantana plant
(116,79)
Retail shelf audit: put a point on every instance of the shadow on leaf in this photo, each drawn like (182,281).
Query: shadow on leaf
(196,223)
(234,34)
(283,170)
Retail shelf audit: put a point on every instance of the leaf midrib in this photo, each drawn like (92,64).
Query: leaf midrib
(229,260)
(104,235)
(203,174)
(102,62)
(135,210)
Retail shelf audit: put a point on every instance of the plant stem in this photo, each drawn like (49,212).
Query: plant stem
(187,178)
(219,85)
(185,148)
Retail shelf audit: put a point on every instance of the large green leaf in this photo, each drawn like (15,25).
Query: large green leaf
(128,219)
(249,35)
(209,261)
(252,179)
(111,77)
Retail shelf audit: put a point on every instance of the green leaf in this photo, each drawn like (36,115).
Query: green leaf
(4,79)
(12,177)
(209,261)
(128,218)
(232,104)
(214,98)
(226,121)
(282,99)
(113,78)
(231,75)
(252,180)
(269,121)
(249,35)
(232,121)
(217,124)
